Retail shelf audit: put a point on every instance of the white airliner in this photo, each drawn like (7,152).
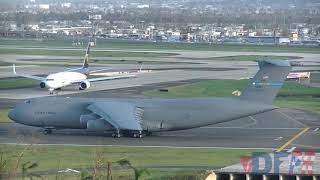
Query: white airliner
(71,76)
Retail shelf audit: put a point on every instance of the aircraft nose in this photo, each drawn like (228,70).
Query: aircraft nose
(49,84)
(13,115)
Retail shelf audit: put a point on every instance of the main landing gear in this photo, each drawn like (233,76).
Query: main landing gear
(47,131)
(137,134)
(116,134)
(134,134)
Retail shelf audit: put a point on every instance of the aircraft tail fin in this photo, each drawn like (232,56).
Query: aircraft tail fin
(265,85)
(86,57)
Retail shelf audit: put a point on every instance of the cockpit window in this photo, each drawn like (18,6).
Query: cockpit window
(27,101)
(50,79)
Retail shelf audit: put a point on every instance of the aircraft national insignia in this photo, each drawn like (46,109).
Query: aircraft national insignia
(264,83)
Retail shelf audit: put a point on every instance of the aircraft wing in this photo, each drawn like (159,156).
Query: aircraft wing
(27,76)
(121,115)
(105,78)
(72,69)
(98,70)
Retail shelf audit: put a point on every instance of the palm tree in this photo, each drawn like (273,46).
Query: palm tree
(3,164)
(25,170)
(85,175)
(137,172)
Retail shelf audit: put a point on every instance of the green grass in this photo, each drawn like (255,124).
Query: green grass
(252,58)
(154,175)
(127,174)
(122,60)
(292,89)
(97,61)
(80,157)
(47,52)
(205,88)
(123,44)
(61,157)
(4,63)
(305,103)
(4,115)
(17,83)
(291,95)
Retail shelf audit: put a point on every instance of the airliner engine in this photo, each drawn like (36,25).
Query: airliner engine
(42,84)
(84,85)
(98,125)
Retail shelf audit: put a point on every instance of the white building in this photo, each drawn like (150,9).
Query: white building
(44,6)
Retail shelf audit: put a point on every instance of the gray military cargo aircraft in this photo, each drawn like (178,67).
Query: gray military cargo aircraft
(138,117)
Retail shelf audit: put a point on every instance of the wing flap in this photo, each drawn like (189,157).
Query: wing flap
(120,115)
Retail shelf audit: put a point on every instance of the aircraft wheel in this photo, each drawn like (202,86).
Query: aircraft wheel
(116,134)
(47,131)
(148,133)
(137,134)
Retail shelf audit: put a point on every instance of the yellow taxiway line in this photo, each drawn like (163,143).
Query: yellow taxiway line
(292,139)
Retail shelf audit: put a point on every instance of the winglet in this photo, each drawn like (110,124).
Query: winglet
(140,68)
(86,57)
(14,68)
(281,63)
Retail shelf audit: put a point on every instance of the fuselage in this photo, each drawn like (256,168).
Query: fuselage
(62,79)
(158,114)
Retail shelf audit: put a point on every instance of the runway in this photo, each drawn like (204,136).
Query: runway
(189,66)
(264,131)
(269,130)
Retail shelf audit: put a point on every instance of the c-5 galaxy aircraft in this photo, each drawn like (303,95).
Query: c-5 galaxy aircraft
(138,117)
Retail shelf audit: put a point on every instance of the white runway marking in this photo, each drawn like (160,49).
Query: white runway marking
(291,118)
(253,123)
(232,127)
(278,138)
(291,149)
(135,146)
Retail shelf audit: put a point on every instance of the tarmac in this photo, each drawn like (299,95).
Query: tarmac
(270,130)
(181,66)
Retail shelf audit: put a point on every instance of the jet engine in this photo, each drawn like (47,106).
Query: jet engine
(84,85)
(42,84)
(98,125)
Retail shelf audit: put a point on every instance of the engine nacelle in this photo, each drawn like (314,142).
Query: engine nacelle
(98,125)
(42,85)
(84,85)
